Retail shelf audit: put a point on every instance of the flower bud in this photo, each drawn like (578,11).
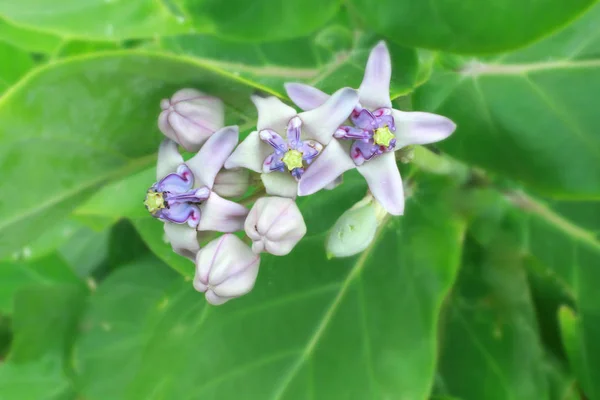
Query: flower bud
(232,183)
(190,117)
(275,225)
(355,229)
(226,268)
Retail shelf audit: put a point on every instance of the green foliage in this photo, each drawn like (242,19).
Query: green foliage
(485,289)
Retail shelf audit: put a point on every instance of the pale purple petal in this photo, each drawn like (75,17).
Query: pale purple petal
(297,173)
(183,239)
(333,162)
(310,149)
(273,163)
(385,117)
(385,183)
(350,132)
(273,139)
(421,128)
(304,96)
(374,91)
(272,113)
(212,156)
(192,196)
(321,123)
(250,154)
(221,215)
(363,151)
(293,132)
(169,159)
(364,119)
(180,213)
(280,184)
(180,181)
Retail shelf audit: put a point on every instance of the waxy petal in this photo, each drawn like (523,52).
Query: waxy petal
(385,183)
(212,156)
(293,131)
(272,113)
(280,184)
(305,96)
(273,163)
(374,91)
(364,119)
(179,182)
(321,123)
(183,239)
(221,215)
(273,139)
(421,128)
(310,150)
(352,133)
(169,159)
(250,154)
(181,213)
(333,162)
(363,151)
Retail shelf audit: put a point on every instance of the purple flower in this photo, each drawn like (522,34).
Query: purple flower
(376,131)
(282,162)
(184,197)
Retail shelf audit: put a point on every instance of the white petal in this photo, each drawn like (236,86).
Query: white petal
(218,214)
(320,124)
(329,165)
(383,177)
(305,96)
(183,239)
(272,113)
(280,184)
(420,128)
(374,91)
(250,154)
(212,156)
(168,159)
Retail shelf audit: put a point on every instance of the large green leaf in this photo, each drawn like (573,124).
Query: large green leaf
(469,26)
(330,59)
(73,125)
(29,39)
(362,327)
(529,115)
(11,72)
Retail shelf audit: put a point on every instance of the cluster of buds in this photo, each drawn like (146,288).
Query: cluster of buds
(296,154)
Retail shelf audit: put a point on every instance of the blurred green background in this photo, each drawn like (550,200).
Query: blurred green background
(485,289)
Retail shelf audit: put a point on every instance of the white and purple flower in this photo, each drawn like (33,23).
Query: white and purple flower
(376,132)
(283,162)
(184,197)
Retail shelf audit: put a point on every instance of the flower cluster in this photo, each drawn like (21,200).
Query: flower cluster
(296,154)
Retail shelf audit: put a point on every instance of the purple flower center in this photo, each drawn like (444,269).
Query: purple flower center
(173,198)
(293,154)
(373,134)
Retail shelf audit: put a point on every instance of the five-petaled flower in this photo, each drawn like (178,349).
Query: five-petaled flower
(184,197)
(376,132)
(284,162)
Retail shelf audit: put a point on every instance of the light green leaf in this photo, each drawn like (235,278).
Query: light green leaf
(468,27)
(56,150)
(96,19)
(16,63)
(16,275)
(310,326)
(29,39)
(39,380)
(528,115)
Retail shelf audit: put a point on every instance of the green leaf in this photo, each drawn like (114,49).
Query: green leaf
(92,19)
(39,380)
(528,115)
(570,327)
(330,59)
(16,275)
(310,326)
(262,21)
(54,158)
(29,39)
(491,345)
(11,72)
(469,27)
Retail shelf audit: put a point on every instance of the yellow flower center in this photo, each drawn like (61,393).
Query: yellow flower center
(383,136)
(154,201)
(292,159)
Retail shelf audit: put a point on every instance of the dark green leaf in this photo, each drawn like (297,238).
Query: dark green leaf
(11,72)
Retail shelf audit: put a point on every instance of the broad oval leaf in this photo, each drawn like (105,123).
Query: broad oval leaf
(529,115)
(362,327)
(469,26)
